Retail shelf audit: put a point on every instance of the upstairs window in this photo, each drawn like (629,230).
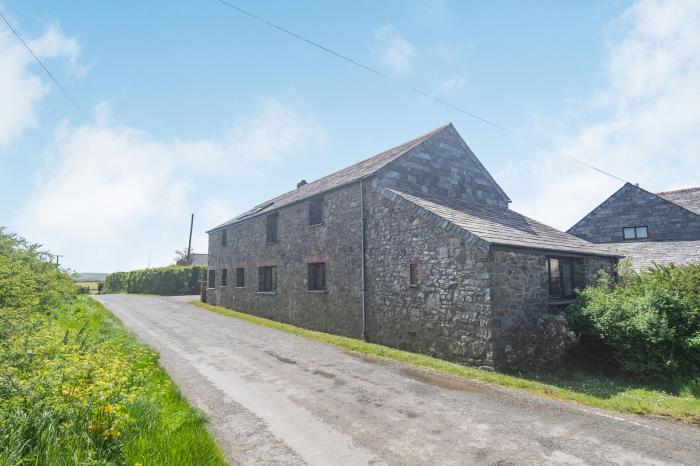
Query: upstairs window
(316,211)
(635,233)
(317,276)
(212,279)
(267,279)
(224,276)
(240,277)
(223,237)
(561,277)
(272,228)
(413,274)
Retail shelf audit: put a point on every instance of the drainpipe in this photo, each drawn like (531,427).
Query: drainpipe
(364,279)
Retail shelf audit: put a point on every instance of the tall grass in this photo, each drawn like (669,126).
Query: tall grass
(95,395)
(75,386)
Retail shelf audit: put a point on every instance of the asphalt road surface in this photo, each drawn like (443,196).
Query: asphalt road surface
(276,398)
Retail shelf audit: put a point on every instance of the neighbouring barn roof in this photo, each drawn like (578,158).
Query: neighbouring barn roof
(496,226)
(200,259)
(334,180)
(688,198)
(645,254)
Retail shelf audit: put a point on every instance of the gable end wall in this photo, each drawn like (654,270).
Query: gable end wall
(443,166)
(632,206)
(448,313)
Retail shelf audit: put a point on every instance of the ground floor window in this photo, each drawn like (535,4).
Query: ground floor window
(224,276)
(317,276)
(562,274)
(240,277)
(267,279)
(212,279)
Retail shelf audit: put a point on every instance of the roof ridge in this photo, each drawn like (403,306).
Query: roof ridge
(681,190)
(543,237)
(363,167)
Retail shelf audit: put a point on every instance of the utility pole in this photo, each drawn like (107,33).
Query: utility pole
(57,256)
(189,243)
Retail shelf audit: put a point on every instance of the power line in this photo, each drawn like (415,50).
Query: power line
(63,89)
(413,88)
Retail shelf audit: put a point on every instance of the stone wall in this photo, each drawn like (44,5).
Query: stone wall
(447,314)
(520,287)
(632,206)
(444,166)
(337,241)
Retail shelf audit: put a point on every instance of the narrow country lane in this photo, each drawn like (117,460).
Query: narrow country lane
(280,399)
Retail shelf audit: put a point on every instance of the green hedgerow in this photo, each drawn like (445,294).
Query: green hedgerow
(174,280)
(651,320)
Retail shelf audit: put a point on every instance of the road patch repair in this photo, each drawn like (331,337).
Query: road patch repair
(280,398)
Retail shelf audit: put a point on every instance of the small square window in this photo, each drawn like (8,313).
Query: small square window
(212,279)
(223,237)
(224,276)
(240,277)
(272,227)
(641,232)
(317,276)
(267,279)
(413,274)
(316,211)
(628,232)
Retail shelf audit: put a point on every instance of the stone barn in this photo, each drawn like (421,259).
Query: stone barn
(648,228)
(414,248)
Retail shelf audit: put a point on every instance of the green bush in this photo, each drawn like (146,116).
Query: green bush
(163,281)
(650,320)
(75,386)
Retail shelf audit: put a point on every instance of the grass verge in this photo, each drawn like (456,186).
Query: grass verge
(601,392)
(91,393)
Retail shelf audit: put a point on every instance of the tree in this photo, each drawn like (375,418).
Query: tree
(181,257)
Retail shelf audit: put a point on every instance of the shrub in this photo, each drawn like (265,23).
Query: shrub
(651,320)
(173,280)
(538,344)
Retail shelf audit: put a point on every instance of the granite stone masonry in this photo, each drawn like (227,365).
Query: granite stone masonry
(633,206)
(417,249)
(669,221)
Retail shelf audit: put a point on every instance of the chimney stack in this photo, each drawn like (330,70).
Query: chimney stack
(301,183)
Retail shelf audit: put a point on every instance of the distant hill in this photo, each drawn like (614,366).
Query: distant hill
(91,277)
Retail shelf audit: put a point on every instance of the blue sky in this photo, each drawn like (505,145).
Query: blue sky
(192,107)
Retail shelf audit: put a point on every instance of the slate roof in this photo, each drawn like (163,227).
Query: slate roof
(334,180)
(688,198)
(498,226)
(645,254)
(199,259)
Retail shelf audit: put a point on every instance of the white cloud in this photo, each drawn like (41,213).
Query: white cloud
(20,88)
(643,125)
(393,52)
(113,194)
(452,84)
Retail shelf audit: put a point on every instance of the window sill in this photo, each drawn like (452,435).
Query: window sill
(239,287)
(561,301)
(270,243)
(266,292)
(317,291)
(413,286)
(317,224)
(211,288)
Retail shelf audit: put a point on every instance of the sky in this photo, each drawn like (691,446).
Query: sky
(191,107)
